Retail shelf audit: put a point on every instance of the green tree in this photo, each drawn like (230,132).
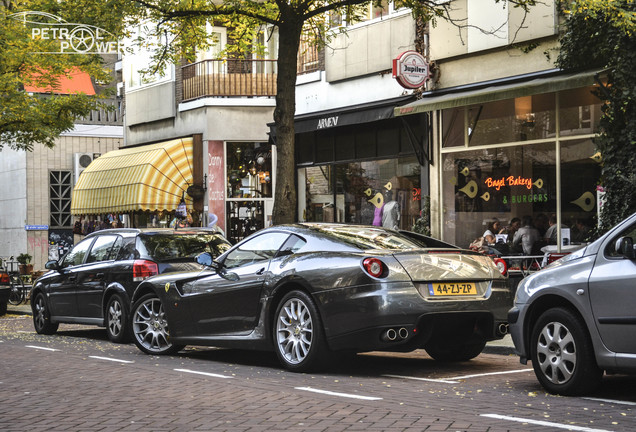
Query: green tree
(27,119)
(180,26)
(602,33)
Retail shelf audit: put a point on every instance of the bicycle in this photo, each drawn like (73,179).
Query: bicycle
(18,290)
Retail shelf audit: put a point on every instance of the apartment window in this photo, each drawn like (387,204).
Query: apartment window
(365,12)
(60,187)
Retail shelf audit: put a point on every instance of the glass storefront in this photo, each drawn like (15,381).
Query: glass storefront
(365,174)
(382,192)
(249,188)
(530,158)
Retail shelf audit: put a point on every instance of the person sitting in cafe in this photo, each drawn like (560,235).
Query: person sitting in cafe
(526,236)
(551,234)
(492,229)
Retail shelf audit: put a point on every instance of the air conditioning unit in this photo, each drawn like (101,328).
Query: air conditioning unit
(81,161)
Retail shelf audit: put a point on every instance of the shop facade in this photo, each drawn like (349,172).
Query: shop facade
(361,165)
(520,147)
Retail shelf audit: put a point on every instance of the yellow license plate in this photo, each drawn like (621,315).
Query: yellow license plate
(452,289)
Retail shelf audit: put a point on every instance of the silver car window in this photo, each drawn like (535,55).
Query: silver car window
(259,248)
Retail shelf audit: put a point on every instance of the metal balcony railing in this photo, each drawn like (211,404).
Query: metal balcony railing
(229,78)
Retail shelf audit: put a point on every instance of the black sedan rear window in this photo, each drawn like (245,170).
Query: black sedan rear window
(176,246)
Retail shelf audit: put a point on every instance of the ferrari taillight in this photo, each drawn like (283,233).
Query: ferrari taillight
(143,269)
(501,265)
(374,267)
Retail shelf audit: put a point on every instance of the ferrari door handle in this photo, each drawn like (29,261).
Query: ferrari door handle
(261,271)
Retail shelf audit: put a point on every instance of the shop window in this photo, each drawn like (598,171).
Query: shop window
(580,174)
(362,191)
(319,192)
(249,168)
(497,183)
(579,112)
(519,119)
(453,127)
(305,148)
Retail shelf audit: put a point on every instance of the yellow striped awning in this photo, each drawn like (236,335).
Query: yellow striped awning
(152,177)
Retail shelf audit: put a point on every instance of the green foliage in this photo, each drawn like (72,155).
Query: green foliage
(24,258)
(602,34)
(27,119)
(423,223)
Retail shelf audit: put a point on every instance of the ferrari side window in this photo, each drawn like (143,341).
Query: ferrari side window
(259,248)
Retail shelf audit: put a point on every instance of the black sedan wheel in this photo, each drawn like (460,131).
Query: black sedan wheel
(298,335)
(562,354)
(150,327)
(117,325)
(42,316)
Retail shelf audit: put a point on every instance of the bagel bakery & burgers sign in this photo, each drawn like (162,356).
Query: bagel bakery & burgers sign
(410,69)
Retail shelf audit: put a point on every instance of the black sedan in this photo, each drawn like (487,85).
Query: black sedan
(308,290)
(94,282)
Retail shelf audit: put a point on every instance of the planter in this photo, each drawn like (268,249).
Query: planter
(26,269)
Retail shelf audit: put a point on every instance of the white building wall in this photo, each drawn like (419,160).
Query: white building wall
(13,202)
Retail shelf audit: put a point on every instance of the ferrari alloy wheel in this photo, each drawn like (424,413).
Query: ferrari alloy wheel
(562,354)
(150,327)
(298,334)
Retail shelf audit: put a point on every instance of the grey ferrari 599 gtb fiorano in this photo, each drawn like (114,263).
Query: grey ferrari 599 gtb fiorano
(309,290)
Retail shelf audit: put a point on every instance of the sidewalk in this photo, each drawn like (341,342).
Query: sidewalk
(22,309)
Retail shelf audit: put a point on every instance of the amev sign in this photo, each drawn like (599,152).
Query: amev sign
(410,69)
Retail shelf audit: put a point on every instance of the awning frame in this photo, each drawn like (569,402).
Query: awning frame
(551,81)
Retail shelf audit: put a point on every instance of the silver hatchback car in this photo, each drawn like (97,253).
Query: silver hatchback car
(577,317)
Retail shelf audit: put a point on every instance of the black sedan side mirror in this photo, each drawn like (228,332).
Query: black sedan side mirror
(625,246)
(51,265)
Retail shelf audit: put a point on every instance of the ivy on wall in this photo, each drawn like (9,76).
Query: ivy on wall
(602,33)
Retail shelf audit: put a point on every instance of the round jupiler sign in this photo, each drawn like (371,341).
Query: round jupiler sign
(410,69)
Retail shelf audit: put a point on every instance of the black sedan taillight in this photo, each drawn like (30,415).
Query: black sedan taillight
(143,269)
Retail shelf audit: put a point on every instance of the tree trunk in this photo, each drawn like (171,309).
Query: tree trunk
(285,197)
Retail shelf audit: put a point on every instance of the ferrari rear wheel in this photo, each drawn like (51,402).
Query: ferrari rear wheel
(299,339)
(150,327)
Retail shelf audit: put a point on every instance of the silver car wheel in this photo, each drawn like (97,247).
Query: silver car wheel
(556,353)
(115,318)
(294,330)
(150,326)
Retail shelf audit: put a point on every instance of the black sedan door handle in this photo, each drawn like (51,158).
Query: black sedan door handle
(99,276)
(72,278)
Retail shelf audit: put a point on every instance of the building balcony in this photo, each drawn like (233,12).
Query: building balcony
(229,78)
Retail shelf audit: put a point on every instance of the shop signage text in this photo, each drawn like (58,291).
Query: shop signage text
(327,122)
(410,69)
(36,227)
(508,181)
